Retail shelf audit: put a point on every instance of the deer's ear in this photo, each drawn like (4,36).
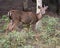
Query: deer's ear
(39,7)
(45,7)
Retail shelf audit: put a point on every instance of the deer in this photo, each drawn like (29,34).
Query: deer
(18,18)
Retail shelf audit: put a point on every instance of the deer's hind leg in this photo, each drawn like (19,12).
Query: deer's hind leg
(19,26)
(9,27)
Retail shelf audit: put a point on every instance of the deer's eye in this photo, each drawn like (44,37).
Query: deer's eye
(39,7)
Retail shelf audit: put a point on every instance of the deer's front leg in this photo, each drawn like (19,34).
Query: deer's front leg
(33,26)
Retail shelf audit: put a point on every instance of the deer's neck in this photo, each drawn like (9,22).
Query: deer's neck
(39,16)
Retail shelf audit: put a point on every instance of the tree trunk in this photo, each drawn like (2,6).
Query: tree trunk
(39,3)
(25,4)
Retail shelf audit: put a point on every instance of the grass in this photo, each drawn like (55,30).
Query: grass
(48,35)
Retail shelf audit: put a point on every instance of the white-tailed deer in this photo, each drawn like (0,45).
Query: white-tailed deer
(28,18)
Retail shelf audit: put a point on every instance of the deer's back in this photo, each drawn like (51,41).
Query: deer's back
(24,17)
(28,17)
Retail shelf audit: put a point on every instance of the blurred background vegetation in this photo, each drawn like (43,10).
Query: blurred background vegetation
(48,35)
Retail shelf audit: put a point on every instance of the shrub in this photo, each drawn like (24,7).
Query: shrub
(14,39)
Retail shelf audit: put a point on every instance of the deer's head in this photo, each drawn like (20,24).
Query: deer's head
(42,11)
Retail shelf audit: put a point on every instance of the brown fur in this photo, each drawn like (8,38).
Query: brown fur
(21,17)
